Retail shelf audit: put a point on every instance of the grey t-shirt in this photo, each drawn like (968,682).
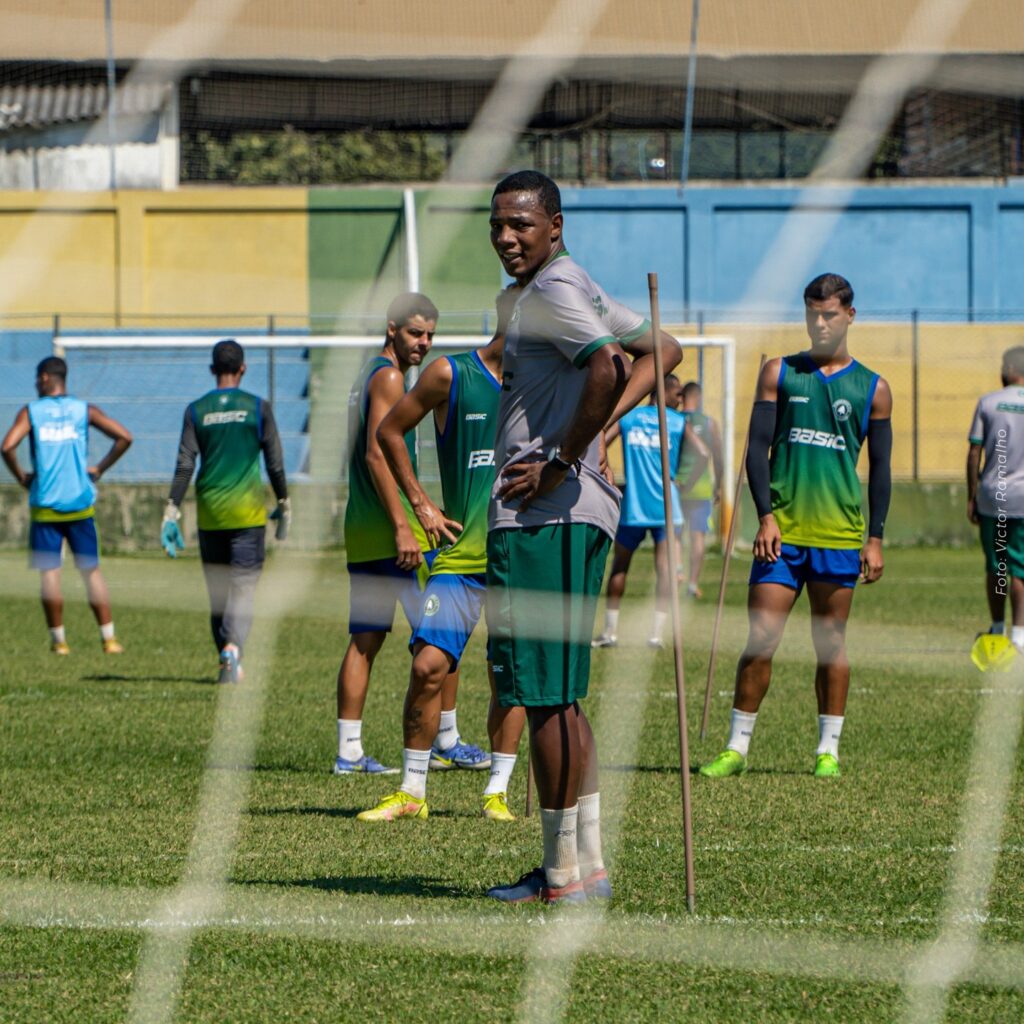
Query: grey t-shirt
(561,317)
(999,428)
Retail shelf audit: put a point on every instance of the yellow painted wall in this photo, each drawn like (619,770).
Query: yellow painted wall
(137,258)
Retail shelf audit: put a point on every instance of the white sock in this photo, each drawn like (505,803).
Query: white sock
(350,738)
(659,625)
(611,623)
(107,630)
(588,834)
(561,864)
(415,765)
(1017,636)
(448,732)
(741,728)
(57,635)
(997,628)
(830,728)
(501,772)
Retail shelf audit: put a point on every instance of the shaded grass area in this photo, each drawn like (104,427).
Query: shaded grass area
(101,762)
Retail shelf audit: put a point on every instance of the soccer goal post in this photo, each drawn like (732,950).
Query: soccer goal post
(147,379)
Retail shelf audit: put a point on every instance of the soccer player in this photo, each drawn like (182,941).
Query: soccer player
(61,490)
(228,429)
(813,412)
(384,541)
(995,493)
(462,392)
(552,517)
(706,490)
(643,508)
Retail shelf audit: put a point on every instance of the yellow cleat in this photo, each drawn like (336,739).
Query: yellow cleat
(395,805)
(111,646)
(496,808)
(60,647)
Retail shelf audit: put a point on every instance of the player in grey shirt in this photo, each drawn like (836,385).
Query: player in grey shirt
(566,375)
(995,492)
(561,318)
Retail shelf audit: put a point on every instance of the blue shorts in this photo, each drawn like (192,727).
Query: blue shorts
(452,605)
(697,512)
(800,565)
(46,540)
(375,587)
(631,537)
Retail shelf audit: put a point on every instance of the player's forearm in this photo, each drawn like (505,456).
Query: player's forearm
(758,465)
(643,378)
(879,475)
(117,449)
(607,378)
(11,461)
(392,445)
(273,453)
(183,470)
(386,488)
(973,471)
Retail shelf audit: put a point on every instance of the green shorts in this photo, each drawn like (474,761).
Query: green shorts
(1002,540)
(542,589)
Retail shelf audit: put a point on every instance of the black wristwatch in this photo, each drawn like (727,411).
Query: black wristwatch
(556,460)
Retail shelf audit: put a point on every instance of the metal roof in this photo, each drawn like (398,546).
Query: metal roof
(39,106)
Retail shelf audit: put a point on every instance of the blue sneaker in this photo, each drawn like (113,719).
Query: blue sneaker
(366,765)
(230,665)
(597,886)
(462,755)
(533,886)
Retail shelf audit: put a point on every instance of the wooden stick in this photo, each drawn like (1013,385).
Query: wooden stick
(727,555)
(677,634)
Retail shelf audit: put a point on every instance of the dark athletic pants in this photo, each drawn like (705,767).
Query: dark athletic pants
(232,563)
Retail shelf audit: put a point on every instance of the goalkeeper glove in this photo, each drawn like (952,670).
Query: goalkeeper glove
(283,515)
(170,532)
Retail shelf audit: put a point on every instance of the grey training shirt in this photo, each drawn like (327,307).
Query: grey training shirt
(560,319)
(999,428)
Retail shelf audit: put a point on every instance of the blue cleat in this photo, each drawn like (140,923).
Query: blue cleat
(597,886)
(230,665)
(366,765)
(533,887)
(461,755)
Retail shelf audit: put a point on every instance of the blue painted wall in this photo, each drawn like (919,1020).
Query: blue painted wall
(952,253)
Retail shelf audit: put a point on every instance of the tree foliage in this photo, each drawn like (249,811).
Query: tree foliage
(292,157)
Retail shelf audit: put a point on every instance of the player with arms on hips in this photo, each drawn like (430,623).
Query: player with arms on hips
(705,491)
(813,412)
(462,392)
(61,491)
(566,376)
(995,494)
(227,430)
(643,506)
(384,542)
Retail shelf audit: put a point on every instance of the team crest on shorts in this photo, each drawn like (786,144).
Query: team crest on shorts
(432,605)
(843,409)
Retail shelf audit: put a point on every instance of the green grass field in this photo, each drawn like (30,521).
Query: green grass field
(815,899)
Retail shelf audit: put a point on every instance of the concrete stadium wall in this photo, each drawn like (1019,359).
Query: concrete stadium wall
(233,257)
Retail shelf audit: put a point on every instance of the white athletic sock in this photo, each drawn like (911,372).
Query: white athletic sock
(501,773)
(1017,636)
(997,628)
(415,765)
(448,731)
(57,635)
(588,834)
(107,630)
(350,738)
(741,728)
(830,728)
(659,625)
(611,623)
(561,864)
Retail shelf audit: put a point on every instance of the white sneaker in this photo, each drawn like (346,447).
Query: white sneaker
(605,641)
